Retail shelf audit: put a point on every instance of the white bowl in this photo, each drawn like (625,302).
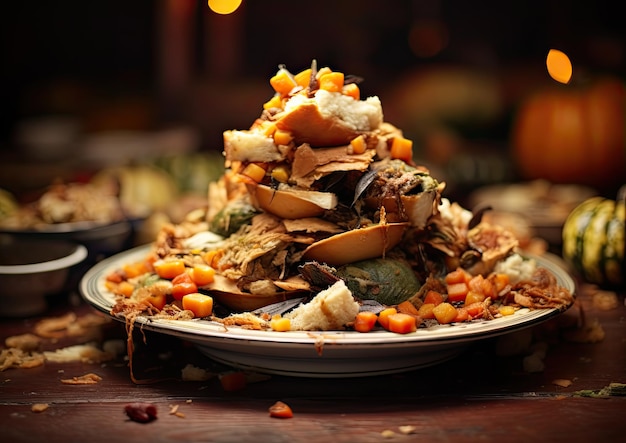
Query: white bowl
(33,269)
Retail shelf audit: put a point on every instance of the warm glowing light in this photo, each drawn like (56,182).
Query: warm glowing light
(224,6)
(559,66)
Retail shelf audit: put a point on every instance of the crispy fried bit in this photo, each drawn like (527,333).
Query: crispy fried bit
(17,358)
(86,379)
(26,342)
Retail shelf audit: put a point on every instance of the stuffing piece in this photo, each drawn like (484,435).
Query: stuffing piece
(39,407)
(17,358)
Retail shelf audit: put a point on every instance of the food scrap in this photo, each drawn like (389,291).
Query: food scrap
(321,201)
(86,379)
(141,412)
(281,410)
(39,407)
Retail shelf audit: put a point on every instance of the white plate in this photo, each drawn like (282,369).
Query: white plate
(321,354)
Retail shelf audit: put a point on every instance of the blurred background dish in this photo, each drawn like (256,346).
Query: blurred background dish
(544,206)
(33,269)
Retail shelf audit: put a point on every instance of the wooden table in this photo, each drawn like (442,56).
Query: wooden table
(481,395)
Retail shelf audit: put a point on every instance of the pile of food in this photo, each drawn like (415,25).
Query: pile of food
(322,221)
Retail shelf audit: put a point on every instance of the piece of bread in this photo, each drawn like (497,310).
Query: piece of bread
(329,118)
(331,309)
(250,146)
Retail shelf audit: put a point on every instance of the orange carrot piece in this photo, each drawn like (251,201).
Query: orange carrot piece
(365,321)
(125,288)
(402,323)
(169,269)
(457,292)
(461,315)
(426,310)
(254,172)
(182,285)
(200,304)
(283,82)
(406,307)
(445,313)
(332,82)
(352,90)
(402,148)
(303,78)
(202,274)
(383,316)
(475,309)
(459,275)
(474,297)
(433,297)
(358,145)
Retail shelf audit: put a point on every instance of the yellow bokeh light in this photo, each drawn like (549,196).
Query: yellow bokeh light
(224,6)
(559,66)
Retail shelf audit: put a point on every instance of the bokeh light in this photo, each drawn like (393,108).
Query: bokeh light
(224,6)
(559,66)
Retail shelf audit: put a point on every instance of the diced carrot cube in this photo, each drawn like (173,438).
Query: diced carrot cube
(402,323)
(445,313)
(461,315)
(254,171)
(433,297)
(426,311)
(280,174)
(474,297)
(402,149)
(383,316)
(332,82)
(283,82)
(352,90)
(282,137)
(406,307)
(365,321)
(202,274)
(125,288)
(303,78)
(456,292)
(200,304)
(459,275)
(169,269)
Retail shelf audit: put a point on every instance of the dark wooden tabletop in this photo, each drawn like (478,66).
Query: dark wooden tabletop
(482,394)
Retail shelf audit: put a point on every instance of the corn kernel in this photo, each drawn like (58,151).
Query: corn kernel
(506,310)
(254,171)
(280,324)
(280,174)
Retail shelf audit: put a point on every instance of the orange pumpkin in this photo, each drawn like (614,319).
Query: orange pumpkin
(572,134)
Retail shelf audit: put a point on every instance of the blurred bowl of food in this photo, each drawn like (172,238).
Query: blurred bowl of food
(77,212)
(31,270)
(543,205)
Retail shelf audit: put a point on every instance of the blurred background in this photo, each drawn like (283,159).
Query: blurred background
(92,85)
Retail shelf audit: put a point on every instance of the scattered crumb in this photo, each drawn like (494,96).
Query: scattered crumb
(406,430)
(26,342)
(188,400)
(87,379)
(87,353)
(562,382)
(17,358)
(39,407)
(388,433)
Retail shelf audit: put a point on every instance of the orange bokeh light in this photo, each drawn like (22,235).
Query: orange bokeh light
(224,6)
(559,66)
